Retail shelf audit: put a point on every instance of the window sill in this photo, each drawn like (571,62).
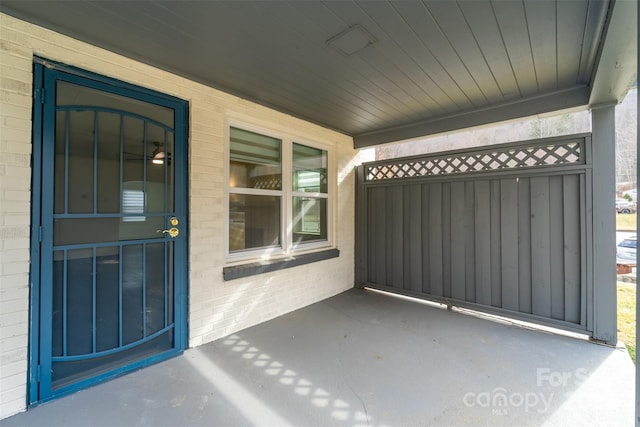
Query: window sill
(255,268)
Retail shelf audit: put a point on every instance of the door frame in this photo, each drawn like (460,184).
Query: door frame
(46,71)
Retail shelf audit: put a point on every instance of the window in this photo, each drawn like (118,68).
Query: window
(255,191)
(133,201)
(278,194)
(309,194)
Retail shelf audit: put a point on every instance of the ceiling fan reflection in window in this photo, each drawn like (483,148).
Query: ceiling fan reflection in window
(158,157)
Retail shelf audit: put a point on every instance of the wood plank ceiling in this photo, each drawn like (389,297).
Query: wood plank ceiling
(427,67)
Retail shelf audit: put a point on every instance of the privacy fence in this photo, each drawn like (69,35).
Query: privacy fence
(500,229)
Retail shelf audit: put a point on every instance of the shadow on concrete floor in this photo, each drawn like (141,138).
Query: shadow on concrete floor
(363,358)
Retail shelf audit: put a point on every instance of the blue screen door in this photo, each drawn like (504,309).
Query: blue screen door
(112,230)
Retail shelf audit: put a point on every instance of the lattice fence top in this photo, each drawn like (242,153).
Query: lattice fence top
(496,159)
(266,182)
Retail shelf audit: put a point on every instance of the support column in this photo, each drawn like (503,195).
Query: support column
(360,229)
(604,223)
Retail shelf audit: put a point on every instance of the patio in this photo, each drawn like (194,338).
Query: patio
(363,358)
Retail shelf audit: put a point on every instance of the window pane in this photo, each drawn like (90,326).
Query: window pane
(255,161)
(159,150)
(81,162)
(133,201)
(70,94)
(254,221)
(79,295)
(133,310)
(309,219)
(309,169)
(108,176)
(78,231)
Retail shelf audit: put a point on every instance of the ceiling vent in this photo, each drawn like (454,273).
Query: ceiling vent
(352,40)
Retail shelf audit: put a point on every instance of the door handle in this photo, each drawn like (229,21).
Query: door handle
(172,232)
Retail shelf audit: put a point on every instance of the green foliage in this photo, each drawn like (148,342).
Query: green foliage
(552,126)
(627,317)
(627,197)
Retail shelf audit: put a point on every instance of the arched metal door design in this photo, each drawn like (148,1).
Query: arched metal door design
(110,202)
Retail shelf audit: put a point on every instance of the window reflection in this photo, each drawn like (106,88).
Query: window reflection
(309,219)
(133,203)
(255,161)
(254,221)
(260,204)
(309,169)
(309,211)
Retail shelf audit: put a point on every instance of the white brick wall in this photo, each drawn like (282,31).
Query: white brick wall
(218,308)
(15,184)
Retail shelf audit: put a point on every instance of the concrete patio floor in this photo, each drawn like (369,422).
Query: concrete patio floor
(363,358)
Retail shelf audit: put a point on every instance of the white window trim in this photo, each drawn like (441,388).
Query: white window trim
(289,248)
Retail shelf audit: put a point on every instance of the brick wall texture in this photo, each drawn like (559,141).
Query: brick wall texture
(217,308)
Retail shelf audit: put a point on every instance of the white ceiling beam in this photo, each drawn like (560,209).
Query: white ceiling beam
(617,61)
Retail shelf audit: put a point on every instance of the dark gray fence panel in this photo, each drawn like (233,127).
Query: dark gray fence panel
(509,243)
(496,248)
(377,236)
(482,250)
(434,242)
(524,245)
(458,251)
(395,235)
(500,240)
(446,239)
(557,237)
(414,236)
(422,249)
(540,248)
(469,243)
(572,248)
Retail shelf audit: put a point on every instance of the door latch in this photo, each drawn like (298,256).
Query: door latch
(172,232)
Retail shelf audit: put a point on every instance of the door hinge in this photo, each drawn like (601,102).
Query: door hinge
(40,95)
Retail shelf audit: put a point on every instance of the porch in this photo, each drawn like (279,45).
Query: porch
(368,359)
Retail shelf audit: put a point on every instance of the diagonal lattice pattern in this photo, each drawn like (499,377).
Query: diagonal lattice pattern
(266,182)
(481,161)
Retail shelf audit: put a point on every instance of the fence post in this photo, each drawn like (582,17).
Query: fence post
(360,229)
(604,227)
